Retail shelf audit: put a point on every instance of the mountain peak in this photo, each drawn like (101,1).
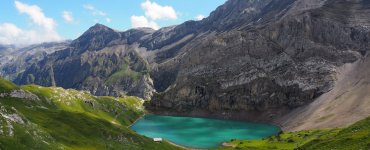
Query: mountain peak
(98,24)
(100,35)
(99,28)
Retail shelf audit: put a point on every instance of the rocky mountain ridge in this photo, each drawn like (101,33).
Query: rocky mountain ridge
(284,58)
(290,41)
(102,61)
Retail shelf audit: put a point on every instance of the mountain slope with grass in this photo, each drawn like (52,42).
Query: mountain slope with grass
(35,117)
(356,137)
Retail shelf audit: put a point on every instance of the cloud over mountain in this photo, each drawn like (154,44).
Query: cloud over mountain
(142,21)
(153,12)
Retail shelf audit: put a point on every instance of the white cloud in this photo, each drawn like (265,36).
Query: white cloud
(108,20)
(36,15)
(141,21)
(199,17)
(67,16)
(94,11)
(8,33)
(100,15)
(11,34)
(155,11)
(42,31)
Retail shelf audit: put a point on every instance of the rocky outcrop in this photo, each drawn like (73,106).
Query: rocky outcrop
(21,94)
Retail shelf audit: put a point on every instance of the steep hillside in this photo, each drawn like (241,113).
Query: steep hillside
(35,117)
(356,136)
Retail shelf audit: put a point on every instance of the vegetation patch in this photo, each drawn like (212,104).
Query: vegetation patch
(6,86)
(70,119)
(357,136)
(124,72)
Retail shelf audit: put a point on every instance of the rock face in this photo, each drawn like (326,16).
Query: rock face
(265,55)
(249,56)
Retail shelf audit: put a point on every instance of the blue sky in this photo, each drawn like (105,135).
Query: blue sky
(34,21)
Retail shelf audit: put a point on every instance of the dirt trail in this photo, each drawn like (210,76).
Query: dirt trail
(346,103)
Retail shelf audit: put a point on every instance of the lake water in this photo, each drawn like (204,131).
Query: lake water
(200,132)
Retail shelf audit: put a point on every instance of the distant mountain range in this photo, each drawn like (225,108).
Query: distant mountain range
(14,60)
(270,60)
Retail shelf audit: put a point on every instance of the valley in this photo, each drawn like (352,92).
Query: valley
(299,66)
(35,117)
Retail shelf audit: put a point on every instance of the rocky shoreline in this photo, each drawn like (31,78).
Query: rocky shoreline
(237,116)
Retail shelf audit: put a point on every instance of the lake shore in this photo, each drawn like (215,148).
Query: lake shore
(226,144)
(232,116)
(136,120)
(180,146)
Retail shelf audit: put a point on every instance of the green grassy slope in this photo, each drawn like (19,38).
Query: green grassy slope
(35,117)
(355,137)
(6,86)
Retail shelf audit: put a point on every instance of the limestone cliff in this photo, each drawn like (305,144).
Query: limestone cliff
(264,58)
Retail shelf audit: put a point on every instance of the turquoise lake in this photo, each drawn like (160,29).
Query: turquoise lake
(200,132)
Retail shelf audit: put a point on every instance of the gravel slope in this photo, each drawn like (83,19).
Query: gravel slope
(347,102)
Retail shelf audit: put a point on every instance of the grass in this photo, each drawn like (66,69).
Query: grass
(70,119)
(355,137)
(6,86)
(124,72)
